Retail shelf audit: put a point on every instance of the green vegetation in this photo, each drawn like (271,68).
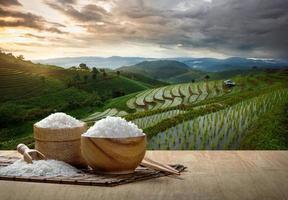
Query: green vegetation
(201,113)
(160,69)
(155,122)
(114,86)
(179,94)
(31,91)
(270,132)
(120,102)
(142,78)
(177,72)
(219,130)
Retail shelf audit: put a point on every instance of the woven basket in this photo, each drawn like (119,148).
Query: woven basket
(61,144)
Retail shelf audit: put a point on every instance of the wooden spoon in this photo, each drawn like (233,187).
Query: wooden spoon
(29,154)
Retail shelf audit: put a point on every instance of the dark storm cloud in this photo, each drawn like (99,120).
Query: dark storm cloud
(251,28)
(29,20)
(29,35)
(89,13)
(68,1)
(10,3)
(245,28)
(256,27)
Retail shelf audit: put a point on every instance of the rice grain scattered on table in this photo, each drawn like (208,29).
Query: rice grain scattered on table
(48,168)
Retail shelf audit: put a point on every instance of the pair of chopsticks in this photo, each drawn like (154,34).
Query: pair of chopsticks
(147,162)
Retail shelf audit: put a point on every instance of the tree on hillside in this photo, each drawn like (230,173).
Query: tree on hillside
(104,74)
(193,81)
(73,68)
(10,55)
(77,77)
(20,57)
(85,78)
(207,77)
(83,66)
(75,81)
(43,79)
(95,72)
(118,73)
(118,93)
(94,76)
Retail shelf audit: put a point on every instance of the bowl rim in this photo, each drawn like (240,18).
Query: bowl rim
(88,136)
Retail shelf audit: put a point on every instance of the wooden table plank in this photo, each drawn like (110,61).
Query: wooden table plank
(211,175)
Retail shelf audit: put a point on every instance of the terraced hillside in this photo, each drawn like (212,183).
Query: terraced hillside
(19,79)
(167,97)
(204,115)
(23,79)
(219,130)
(171,97)
(200,115)
(175,95)
(163,70)
(29,92)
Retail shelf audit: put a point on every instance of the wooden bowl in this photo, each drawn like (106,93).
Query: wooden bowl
(113,155)
(61,144)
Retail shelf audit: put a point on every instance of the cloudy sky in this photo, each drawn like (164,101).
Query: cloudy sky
(150,28)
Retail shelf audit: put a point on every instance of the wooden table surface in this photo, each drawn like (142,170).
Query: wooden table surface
(211,175)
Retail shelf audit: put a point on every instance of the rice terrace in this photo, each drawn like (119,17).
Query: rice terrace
(204,113)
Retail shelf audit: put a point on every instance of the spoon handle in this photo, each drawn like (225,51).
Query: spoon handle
(22,148)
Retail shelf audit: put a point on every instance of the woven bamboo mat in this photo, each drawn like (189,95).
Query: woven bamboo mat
(88,177)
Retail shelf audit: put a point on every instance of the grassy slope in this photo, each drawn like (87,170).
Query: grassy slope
(19,79)
(160,70)
(19,110)
(177,72)
(144,79)
(23,79)
(77,102)
(120,102)
(115,83)
(199,75)
(188,76)
(270,132)
(248,82)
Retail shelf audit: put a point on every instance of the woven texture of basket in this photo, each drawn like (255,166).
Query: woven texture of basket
(61,144)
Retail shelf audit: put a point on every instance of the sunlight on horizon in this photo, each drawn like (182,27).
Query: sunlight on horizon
(48,29)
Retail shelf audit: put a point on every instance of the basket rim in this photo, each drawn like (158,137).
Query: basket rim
(68,128)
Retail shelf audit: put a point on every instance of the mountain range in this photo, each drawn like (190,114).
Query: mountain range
(204,64)
(163,70)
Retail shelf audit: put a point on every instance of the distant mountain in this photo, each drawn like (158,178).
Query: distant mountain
(164,70)
(232,63)
(204,64)
(99,62)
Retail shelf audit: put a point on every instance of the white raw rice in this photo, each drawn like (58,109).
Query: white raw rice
(58,120)
(47,168)
(114,127)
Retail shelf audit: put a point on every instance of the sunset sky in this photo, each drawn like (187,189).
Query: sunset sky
(150,28)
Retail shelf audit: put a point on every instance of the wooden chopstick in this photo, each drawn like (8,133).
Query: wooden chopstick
(158,166)
(161,164)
